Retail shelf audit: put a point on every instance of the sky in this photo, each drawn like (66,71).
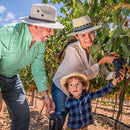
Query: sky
(12,10)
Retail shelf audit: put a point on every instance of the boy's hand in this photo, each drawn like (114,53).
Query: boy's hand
(117,80)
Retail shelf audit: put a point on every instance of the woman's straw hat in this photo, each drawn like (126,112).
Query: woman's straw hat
(83,24)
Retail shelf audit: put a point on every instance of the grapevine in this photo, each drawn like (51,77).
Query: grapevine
(118,65)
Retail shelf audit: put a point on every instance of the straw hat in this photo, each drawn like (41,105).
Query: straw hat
(83,24)
(42,15)
(64,80)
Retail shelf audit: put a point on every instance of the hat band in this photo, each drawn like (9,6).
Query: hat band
(83,27)
(42,20)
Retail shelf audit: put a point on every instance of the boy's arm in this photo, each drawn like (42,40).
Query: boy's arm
(62,113)
(108,87)
(105,90)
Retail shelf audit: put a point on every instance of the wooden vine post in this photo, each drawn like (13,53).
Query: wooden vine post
(121,99)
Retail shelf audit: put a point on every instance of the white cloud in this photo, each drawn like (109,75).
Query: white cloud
(10,16)
(2,9)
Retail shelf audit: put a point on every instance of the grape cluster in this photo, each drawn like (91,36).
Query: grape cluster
(118,64)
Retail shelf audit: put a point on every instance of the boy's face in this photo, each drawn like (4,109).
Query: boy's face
(75,87)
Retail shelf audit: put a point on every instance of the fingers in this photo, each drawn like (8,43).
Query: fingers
(113,76)
(122,74)
(114,82)
(110,59)
(0,106)
(50,106)
(47,114)
(120,78)
(46,103)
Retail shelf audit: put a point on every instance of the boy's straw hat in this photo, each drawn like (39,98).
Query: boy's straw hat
(83,24)
(42,15)
(64,79)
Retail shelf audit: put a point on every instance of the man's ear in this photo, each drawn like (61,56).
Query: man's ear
(36,28)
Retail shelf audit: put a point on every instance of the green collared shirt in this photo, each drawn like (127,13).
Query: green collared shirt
(15,53)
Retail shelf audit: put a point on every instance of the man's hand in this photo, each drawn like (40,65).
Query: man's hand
(0,101)
(49,104)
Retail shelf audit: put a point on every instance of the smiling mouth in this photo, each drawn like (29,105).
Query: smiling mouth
(75,91)
(46,36)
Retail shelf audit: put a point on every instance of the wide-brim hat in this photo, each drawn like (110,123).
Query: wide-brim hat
(64,80)
(42,15)
(83,24)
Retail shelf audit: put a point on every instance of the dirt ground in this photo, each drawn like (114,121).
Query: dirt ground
(38,120)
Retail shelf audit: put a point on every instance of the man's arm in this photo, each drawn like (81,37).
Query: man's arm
(40,78)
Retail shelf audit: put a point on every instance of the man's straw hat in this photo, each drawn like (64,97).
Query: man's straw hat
(42,15)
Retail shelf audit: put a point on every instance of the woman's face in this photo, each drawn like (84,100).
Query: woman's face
(86,39)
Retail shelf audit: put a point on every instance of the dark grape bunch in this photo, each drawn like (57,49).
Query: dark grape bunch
(118,64)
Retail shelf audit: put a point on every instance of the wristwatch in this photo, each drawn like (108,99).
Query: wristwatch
(46,96)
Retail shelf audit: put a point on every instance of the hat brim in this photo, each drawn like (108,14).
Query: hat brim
(39,23)
(85,30)
(64,79)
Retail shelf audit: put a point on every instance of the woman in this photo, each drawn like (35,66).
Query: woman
(77,59)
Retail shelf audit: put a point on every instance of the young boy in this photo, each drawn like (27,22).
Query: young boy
(78,104)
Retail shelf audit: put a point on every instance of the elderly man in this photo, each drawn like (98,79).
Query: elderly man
(23,44)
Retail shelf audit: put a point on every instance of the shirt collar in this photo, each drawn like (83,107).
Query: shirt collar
(28,33)
(80,47)
(81,97)
(29,36)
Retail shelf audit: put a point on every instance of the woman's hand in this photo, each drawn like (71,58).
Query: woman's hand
(106,59)
(117,80)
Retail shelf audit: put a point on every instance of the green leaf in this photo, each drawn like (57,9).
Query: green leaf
(45,1)
(125,49)
(125,11)
(108,45)
(117,32)
(95,48)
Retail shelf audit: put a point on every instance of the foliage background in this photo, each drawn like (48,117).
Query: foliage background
(113,15)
